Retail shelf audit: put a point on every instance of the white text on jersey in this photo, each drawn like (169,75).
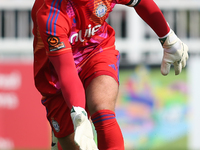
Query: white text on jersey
(88,33)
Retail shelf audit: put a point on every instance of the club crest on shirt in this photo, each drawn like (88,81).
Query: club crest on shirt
(56,125)
(54,43)
(101,10)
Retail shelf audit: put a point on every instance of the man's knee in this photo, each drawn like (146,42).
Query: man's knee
(102,93)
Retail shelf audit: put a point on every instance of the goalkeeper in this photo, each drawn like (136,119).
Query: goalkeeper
(76,67)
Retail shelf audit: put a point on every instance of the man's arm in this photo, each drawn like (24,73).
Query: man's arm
(175,51)
(70,83)
(152,15)
(74,94)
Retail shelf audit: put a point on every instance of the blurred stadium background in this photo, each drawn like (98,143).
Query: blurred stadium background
(154,112)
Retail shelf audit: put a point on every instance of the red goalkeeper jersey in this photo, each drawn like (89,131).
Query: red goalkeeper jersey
(76,26)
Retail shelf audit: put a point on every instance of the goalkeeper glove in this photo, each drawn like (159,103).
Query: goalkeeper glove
(83,129)
(175,52)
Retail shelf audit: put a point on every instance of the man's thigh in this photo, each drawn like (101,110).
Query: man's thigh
(100,77)
(101,94)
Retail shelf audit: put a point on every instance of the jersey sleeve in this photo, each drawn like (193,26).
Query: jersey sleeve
(130,3)
(54,29)
(153,16)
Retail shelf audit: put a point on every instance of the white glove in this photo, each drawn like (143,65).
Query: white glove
(175,52)
(83,130)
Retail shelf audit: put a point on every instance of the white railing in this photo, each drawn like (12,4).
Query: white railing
(15,27)
(134,39)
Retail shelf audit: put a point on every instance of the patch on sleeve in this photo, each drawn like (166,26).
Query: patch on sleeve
(54,43)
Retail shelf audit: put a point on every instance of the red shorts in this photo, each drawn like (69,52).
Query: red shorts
(58,114)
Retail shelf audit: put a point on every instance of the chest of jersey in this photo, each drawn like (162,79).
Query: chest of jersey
(88,19)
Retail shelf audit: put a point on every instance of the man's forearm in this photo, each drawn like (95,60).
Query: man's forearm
(152,15)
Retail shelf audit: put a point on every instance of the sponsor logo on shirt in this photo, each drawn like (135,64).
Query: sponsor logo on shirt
(89,32)
(54,43)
